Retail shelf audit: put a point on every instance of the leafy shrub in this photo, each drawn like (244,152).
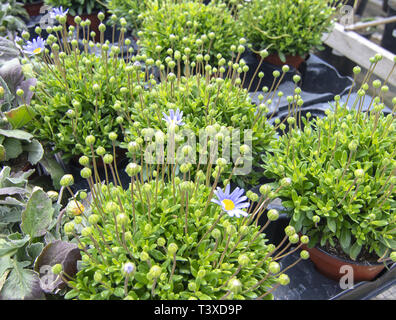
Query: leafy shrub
(342,173)
(290,27)
(166,239)
(130,10)
(76,94)
(211,106)
(77,7)
(178,25)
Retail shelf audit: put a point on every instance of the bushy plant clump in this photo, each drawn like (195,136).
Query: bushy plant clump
(130,10)
(173,239)
(203,28)
(80,90)
(342,172)
(77,7)
(290,27)
(212,107)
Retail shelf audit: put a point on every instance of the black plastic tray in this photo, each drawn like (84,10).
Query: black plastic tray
(307,283)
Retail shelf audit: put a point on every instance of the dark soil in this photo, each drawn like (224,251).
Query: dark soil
(364,257)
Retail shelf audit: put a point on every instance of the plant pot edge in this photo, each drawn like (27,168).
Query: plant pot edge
(330,265)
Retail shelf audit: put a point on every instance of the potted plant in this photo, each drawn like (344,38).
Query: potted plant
(342,174)
(85,99)
(207,101)
(178,25)
(170,239)
(289,29)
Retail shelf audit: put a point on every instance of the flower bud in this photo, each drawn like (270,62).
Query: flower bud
(86,232)
(84,161)
(273,215)
(304,254)
(284,279)
(67,180)
(53,195)
(93,218)
(69,228)
(294,238)
(108,158)
(304,239)
(285,182)
(235,285)
(90,140)
(316,219)
(274,267)
(98,277)
(57,269)
(243,260)
(155,271)
(289,230)
(172,248)
(359,173)
(86,173)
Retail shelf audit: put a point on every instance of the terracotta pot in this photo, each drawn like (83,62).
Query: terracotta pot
(330,266)
(293,61)
(95,22)
(33,9)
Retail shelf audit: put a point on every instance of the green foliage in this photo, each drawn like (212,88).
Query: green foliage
(177,243)
(130,10)
(27,218)
(74,104)
(76,7)
(11,17)
(211,106)
(178,25)
(342,171)
(15,114)
(290,27)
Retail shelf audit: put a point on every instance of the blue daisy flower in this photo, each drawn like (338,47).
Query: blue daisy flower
(174,119)
(232,203)
(58,12)
(34,47)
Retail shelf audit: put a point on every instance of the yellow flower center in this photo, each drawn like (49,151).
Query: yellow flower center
(228,204)
(37,50)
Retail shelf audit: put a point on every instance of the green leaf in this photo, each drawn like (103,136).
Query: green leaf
(21,284)
(54,168)
(18,117)
(331,223)
(35,150)
(379,223)
(38,214)
(10,246)
(17,134)
(345,238)
(2,153)
(282,57)
(13,148)
(141,277)
(355,250)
